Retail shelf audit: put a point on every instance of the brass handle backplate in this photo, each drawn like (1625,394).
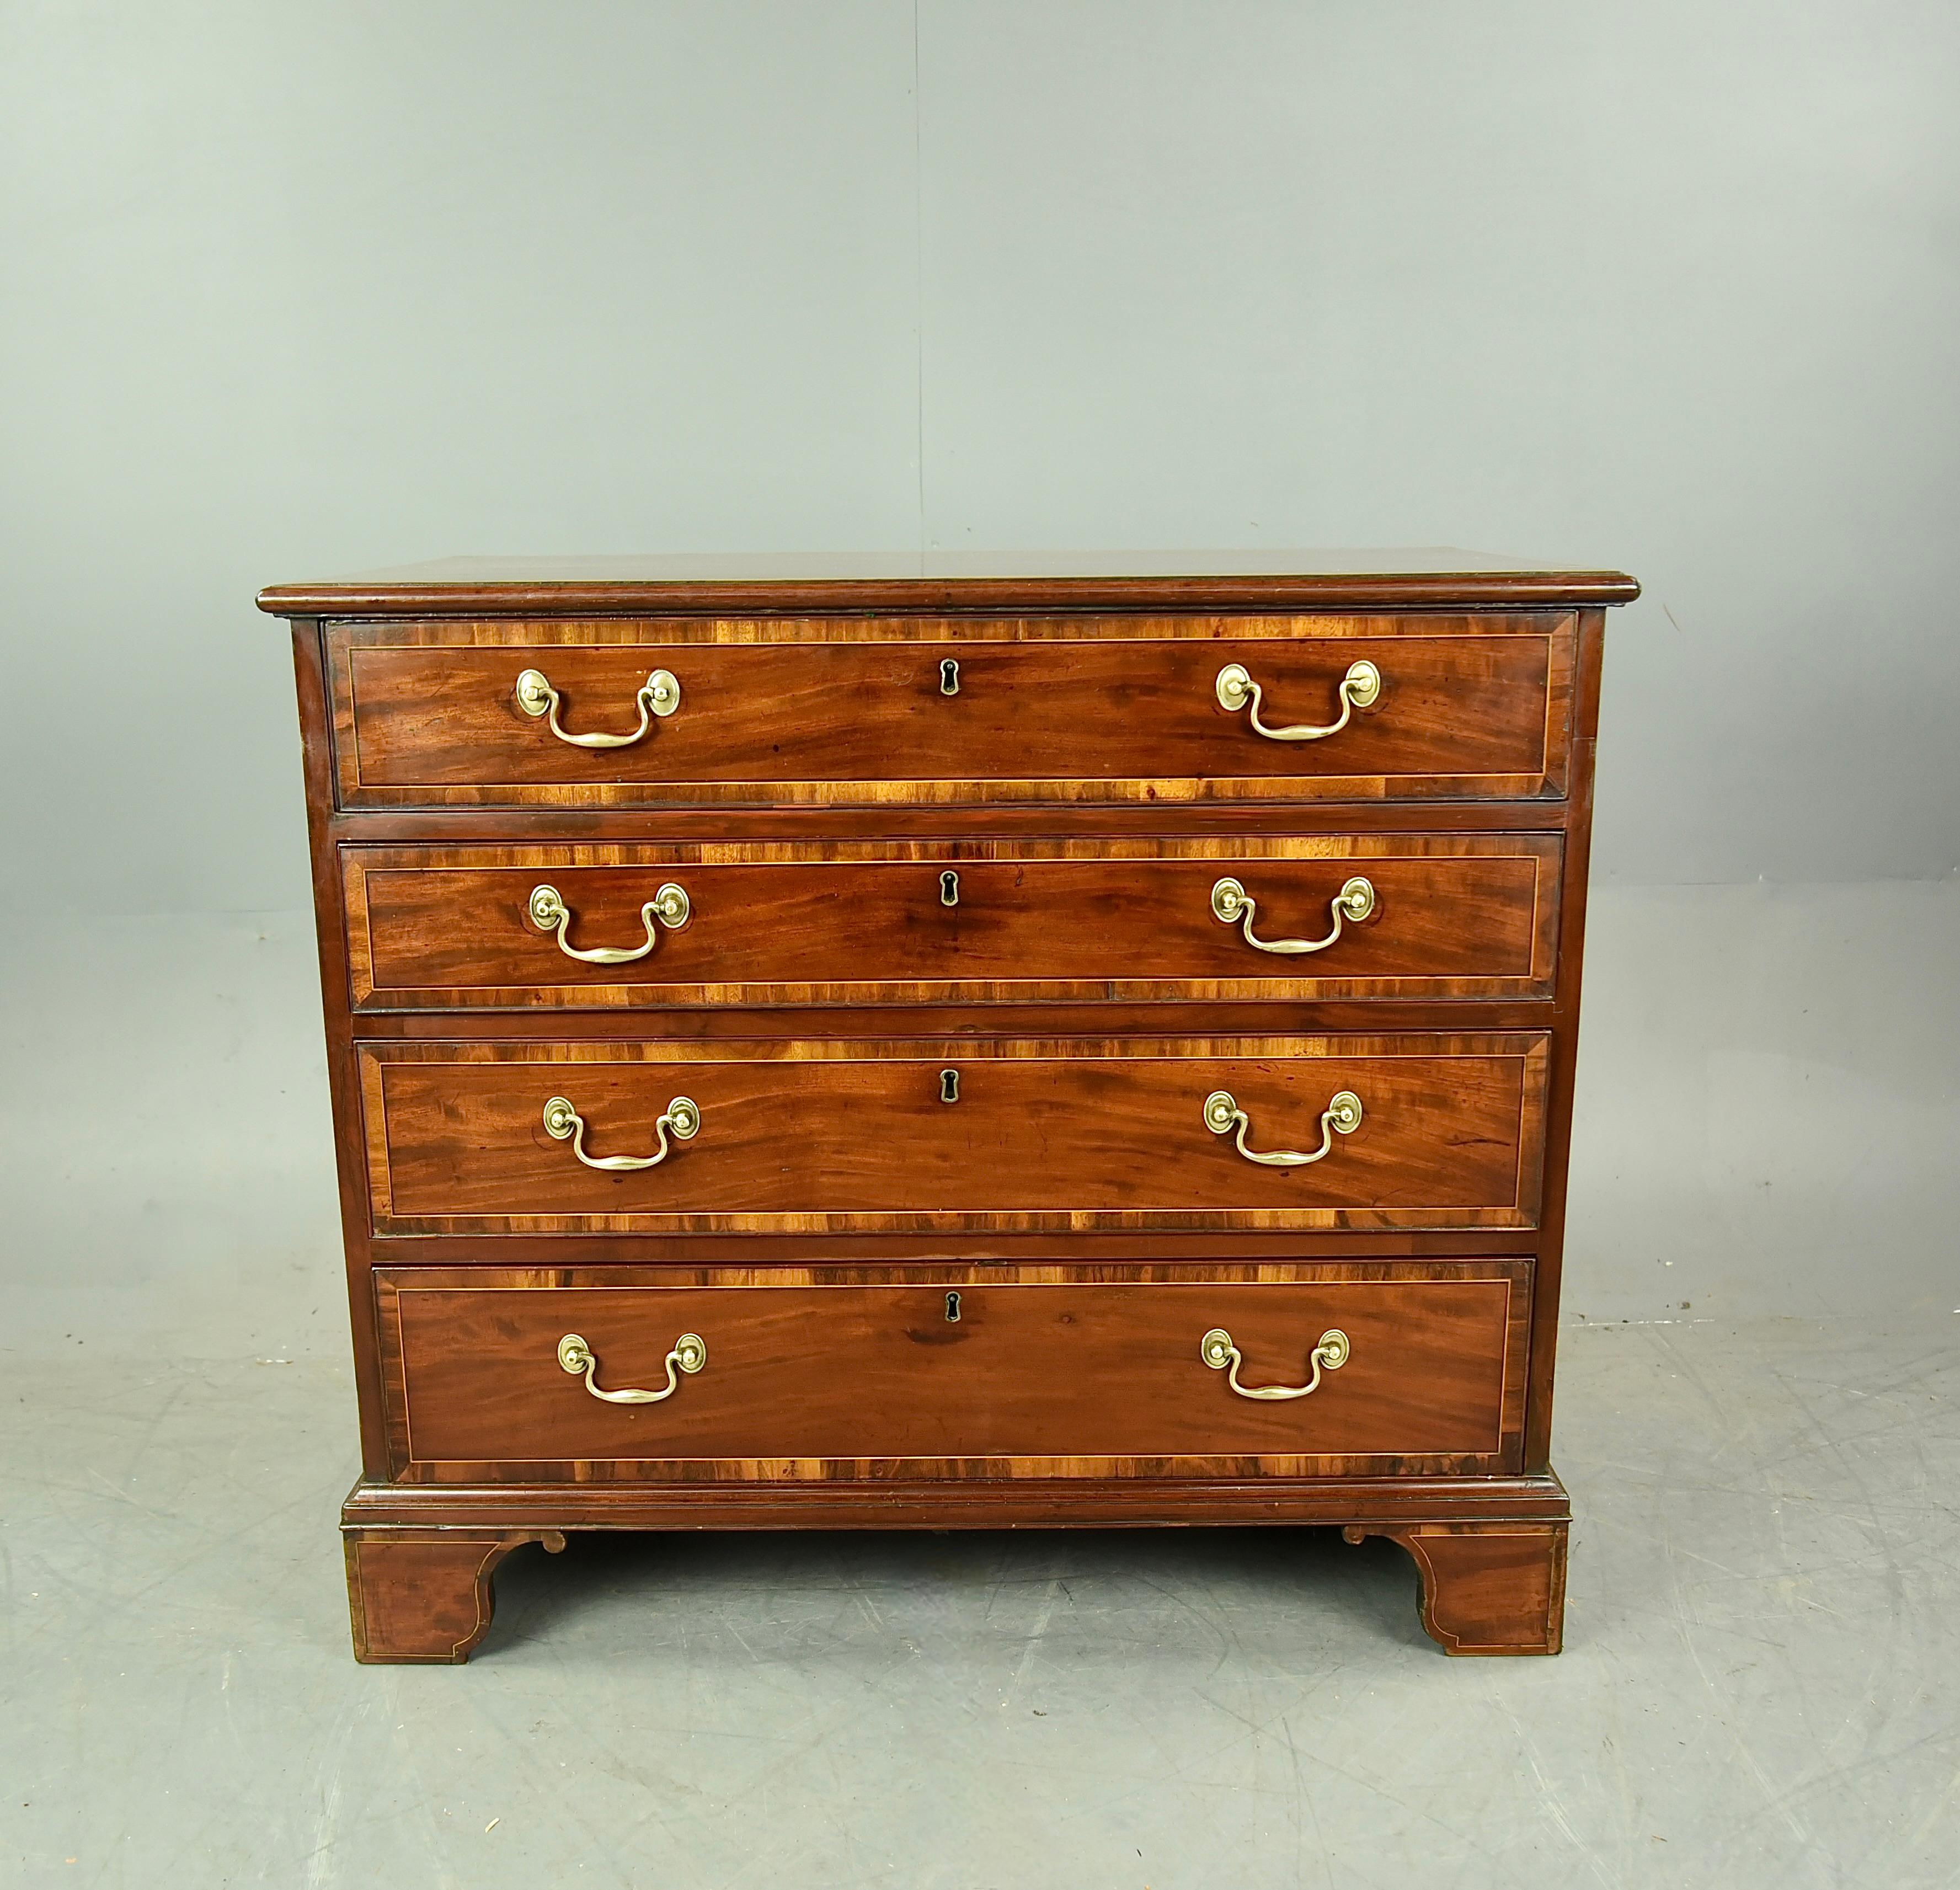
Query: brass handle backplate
(689,1354)
(682,1116)
(1232,904)
(669,906)
(1222,1115)
(660,694)
(1216,1350)
(1360,688)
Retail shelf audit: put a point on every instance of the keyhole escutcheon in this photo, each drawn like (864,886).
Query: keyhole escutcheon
(953,1308)
(949,677)
(948,1086)
(949,889)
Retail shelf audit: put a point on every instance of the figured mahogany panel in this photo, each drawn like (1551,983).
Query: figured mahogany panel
(838,710)
(959,1372)
(821,921)
(813,1136)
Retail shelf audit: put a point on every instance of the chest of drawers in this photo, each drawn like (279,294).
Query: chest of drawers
(887,1047)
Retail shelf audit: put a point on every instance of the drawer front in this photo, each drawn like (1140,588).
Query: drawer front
(974,1135)
(954,1372)
(1470,916)
(790,713)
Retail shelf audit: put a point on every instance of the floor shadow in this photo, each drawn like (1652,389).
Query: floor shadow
(540,1595)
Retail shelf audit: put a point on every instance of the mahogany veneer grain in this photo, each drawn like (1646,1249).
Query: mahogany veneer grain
(820,712)
(1088,789)
(824,1136)
(827,922)
(1044,1372)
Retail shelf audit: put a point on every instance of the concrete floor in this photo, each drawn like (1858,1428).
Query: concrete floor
(1760,1683)
(1759,1686)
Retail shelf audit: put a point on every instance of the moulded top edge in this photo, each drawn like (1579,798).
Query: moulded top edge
(784,584)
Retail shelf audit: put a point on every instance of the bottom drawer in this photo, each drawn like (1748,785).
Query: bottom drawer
(952,1371)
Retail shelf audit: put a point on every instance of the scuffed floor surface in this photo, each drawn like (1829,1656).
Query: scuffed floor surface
(1759,1687)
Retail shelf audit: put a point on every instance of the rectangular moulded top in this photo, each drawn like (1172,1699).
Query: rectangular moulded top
(876,583)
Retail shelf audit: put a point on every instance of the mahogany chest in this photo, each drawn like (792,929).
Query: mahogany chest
(887,1044)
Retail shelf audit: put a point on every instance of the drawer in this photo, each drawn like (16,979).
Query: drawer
(1062,1371)
(813,922)
(796,712)
(974,1134)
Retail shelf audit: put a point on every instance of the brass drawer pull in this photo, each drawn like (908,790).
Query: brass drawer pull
(669,905)
(1360,688)
(690,1353)
(682,1116)
(660,694)
(1232,904)
(1216,1350)
(1223,1114)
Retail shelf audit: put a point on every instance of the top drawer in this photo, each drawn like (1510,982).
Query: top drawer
(841,711)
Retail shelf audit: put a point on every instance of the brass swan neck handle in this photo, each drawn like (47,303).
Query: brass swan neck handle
(1216,1350)
(682,1116)
(1222,1116)
(660,694)
(689,1354)
(549,913)
(1232,904)
(1360,688)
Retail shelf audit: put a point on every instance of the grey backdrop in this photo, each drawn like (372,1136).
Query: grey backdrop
(288,286)
(1670,285)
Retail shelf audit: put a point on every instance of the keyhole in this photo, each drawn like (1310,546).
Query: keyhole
(949,889)
(949,677)
(948,1086)
(953,1308)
